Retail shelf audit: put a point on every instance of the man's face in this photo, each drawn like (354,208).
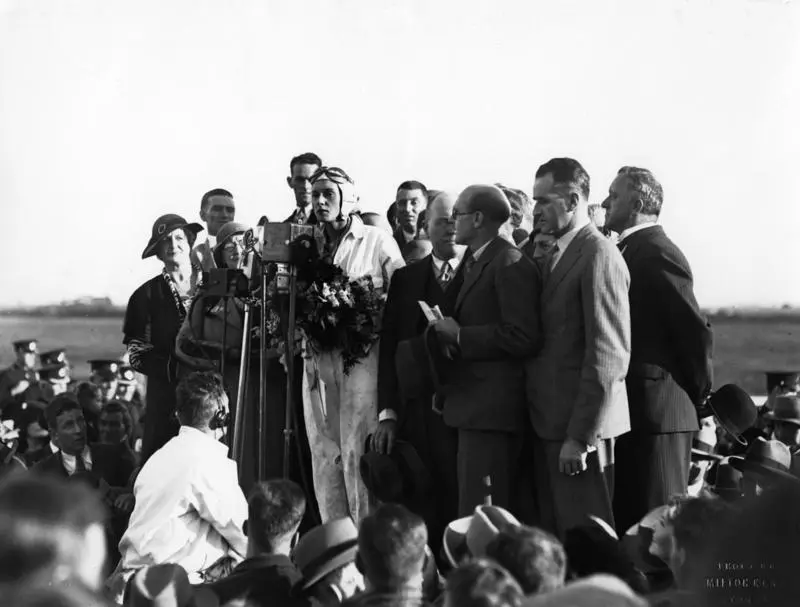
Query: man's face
(108,390)
(542,245)
(556,204)
(70,435)
(218,211)
(174,248)
(409,204)
(537,219)
(619,205)
(300,184)
(26,359)
(464,221)
(112,428)
(788,434)
(326,200)
(442,228)
(126,391)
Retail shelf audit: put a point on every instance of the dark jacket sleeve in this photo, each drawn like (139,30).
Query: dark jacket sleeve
(144,356)
(388,389)
(690,331)
(518,284)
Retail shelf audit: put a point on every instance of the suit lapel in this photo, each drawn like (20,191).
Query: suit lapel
(568,259)
(634,242)
(475,273)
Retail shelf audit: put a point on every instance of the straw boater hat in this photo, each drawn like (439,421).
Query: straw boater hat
(468,537)
(767,459)
(166,224)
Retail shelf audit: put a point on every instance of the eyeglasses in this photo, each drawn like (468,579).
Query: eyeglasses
(456,214)
(334,174)
(234,245)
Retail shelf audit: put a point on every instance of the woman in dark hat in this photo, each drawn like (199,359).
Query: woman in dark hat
(154,315)
(199,345)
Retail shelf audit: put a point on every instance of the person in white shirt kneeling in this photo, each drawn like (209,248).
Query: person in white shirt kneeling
(189,508)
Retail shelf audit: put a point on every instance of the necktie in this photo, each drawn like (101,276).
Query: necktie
(445,274)
(80,465)
(469,262)
(300,217)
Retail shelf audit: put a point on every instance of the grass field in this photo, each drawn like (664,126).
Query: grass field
(745,347)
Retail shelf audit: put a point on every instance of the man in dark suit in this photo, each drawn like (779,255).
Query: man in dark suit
(494,328)
(436,280)
(411,199)
(576,383)
(671,369)
(301,168)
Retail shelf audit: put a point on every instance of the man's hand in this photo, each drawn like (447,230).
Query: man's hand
(384,437)
(447,331)
(23,385)
(124,503)
(572,459)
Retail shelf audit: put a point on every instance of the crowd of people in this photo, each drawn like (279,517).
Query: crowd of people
(537,423)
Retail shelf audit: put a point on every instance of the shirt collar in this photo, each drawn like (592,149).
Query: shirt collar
(196,435)
(86,454)
(454,261)
(476,255)
(356,228)
(564,241)
(634,229)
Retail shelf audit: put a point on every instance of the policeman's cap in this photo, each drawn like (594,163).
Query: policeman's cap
(54,373)
(25,345)
(126,374)
(106,369)
(53,357)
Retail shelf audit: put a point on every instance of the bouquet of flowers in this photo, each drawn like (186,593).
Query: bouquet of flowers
(332,312)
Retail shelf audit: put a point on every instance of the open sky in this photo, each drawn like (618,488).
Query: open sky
(114,112)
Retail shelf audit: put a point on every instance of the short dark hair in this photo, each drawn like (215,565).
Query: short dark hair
(521,204)
(391,213)
(211,193)
(413,185)
(115,406)
(198,397)
(698,519)
(391,546)
(58,406)
(87,388)
(534,557)
(42,522)
(482,583)
(644,183)
(275,510)
(306,158)
(569,172)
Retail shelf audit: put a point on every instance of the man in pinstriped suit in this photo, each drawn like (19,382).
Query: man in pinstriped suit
(576,384)
(671,352)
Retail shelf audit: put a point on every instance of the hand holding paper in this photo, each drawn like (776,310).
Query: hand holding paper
(432,314)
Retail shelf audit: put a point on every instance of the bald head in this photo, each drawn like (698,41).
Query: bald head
(416,250)
(489,200)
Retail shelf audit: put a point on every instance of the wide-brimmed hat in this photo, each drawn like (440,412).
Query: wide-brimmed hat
(166,224)
(468,537)
(167,586)
(733,409)
(704,443)
(727,482)
(769,459)
(226,232)
(785,408)
(399,477)
(325,549)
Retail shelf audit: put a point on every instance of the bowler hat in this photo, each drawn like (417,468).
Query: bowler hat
(325,549)
(782,379)
(733,409)
(786,408)
(769,459)
(167,586)
(468,536)
(399,477)
(166,224)
(728,482)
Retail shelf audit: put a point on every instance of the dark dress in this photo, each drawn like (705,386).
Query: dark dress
(152,321)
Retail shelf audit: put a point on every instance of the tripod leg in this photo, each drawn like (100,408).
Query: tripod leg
(262,387)
(241,392)
(288,417)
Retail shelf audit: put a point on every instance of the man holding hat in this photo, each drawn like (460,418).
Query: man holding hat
(216,209)
(154,315)
(341,409)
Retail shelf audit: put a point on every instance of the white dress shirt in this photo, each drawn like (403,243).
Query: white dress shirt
(454,263)
(189,507)
(566,239)
(70,463)
(634,229)
(367,250)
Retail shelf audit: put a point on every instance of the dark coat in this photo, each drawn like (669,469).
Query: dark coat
(262,580)
(112,463)
(498,312)
(671,340)
(311,220)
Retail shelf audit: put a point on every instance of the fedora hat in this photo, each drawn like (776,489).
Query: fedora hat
(733,409)
(167,586)
(399,477)
(769,459)
(325,549)
(728,482)
(785,408)
(166,224)
(468,536)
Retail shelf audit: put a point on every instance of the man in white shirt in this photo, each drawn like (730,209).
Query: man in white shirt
(189,508)
(216,209)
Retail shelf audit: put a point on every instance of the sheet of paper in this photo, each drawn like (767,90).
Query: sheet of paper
(432,314)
